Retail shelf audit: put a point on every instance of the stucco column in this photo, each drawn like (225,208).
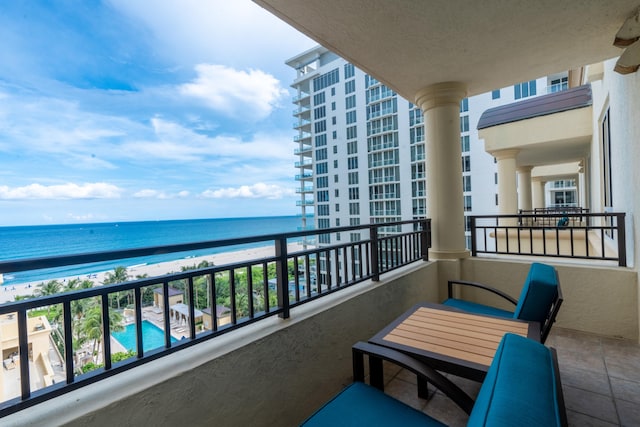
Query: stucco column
(440,104)
(507,189)
(538,192)
(524,188)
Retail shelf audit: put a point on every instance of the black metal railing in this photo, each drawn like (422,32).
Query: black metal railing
(232,295)
(576,234)
(544,217)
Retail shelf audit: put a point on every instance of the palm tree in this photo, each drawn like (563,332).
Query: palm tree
(119,275)
(91,327)
(52,287)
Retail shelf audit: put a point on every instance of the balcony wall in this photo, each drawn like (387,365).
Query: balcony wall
(276,372)
(597,299)
(273,372)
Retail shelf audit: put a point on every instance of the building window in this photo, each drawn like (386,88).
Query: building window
(335,178)
(326,80)
(464,143)
(335,149)
(495,94)
(322,182)
(333,91)
(352,147)
(349,87)
(353,178)
(333,107)
(333,120)
(323,196)
(337,207)
(352,132)
(416,134)
(524,89)
(467,203)
(351,117)
(319,113)
(322,168)
(336,192)
(352,163)
(321,154)
(466,164)
(466,183)
(334,134)
(558,85)
(335,164)
(318,98)
(354,193)
(350,102)
(354,209)
(464,124)
(349,71)
(496,200)
(320,126)
(321,140)
(464,105)
(323,210)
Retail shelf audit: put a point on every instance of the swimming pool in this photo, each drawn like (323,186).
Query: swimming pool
(152,336)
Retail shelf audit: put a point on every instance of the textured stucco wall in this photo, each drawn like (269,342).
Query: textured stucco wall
(600,300)
(273,373)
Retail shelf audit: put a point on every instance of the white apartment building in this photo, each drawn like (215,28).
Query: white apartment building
(361,153)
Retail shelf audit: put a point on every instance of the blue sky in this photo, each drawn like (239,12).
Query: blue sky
(123,110)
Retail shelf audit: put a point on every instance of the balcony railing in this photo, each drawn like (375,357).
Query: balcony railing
(251,289)
(573,233)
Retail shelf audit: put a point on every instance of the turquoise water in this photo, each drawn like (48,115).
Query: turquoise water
(54,240)
(152,336)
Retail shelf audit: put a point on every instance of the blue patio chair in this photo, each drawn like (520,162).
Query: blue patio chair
(539,300)
(522,388)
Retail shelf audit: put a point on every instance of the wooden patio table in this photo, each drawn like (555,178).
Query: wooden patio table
(451,340)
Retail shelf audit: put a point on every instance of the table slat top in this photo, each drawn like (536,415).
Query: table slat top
(470,337)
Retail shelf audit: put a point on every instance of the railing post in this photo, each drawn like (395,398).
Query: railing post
(425,235)
(622,240)
(474,245)
(106,331)
(23,349)
(282,276)
(375,267)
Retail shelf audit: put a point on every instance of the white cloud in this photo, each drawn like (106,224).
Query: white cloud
(248,94)
(259,190)
(155,194)
(98,190)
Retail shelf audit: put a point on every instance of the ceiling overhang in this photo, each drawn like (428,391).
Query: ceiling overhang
(410,44)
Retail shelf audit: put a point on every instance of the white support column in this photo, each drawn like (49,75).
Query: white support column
(507,192)
(538,192)
(440,104)
(524,188)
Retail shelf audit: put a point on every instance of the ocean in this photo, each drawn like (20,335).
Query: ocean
(54,240)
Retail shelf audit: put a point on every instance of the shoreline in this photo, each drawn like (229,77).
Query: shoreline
(10,291)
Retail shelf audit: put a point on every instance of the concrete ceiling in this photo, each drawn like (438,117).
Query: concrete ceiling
(410,44)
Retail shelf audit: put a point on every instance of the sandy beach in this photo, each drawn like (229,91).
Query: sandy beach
(9,292)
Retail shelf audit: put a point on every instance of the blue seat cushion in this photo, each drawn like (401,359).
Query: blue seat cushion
(363,405)
(476,308)
(520,387)
(538,293)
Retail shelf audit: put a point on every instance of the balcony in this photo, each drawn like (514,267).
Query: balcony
(302,136)
(306,202)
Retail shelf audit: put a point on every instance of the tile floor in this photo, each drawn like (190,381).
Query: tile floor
(600,379)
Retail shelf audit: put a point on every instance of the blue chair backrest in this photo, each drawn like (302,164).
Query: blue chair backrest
(538,293)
